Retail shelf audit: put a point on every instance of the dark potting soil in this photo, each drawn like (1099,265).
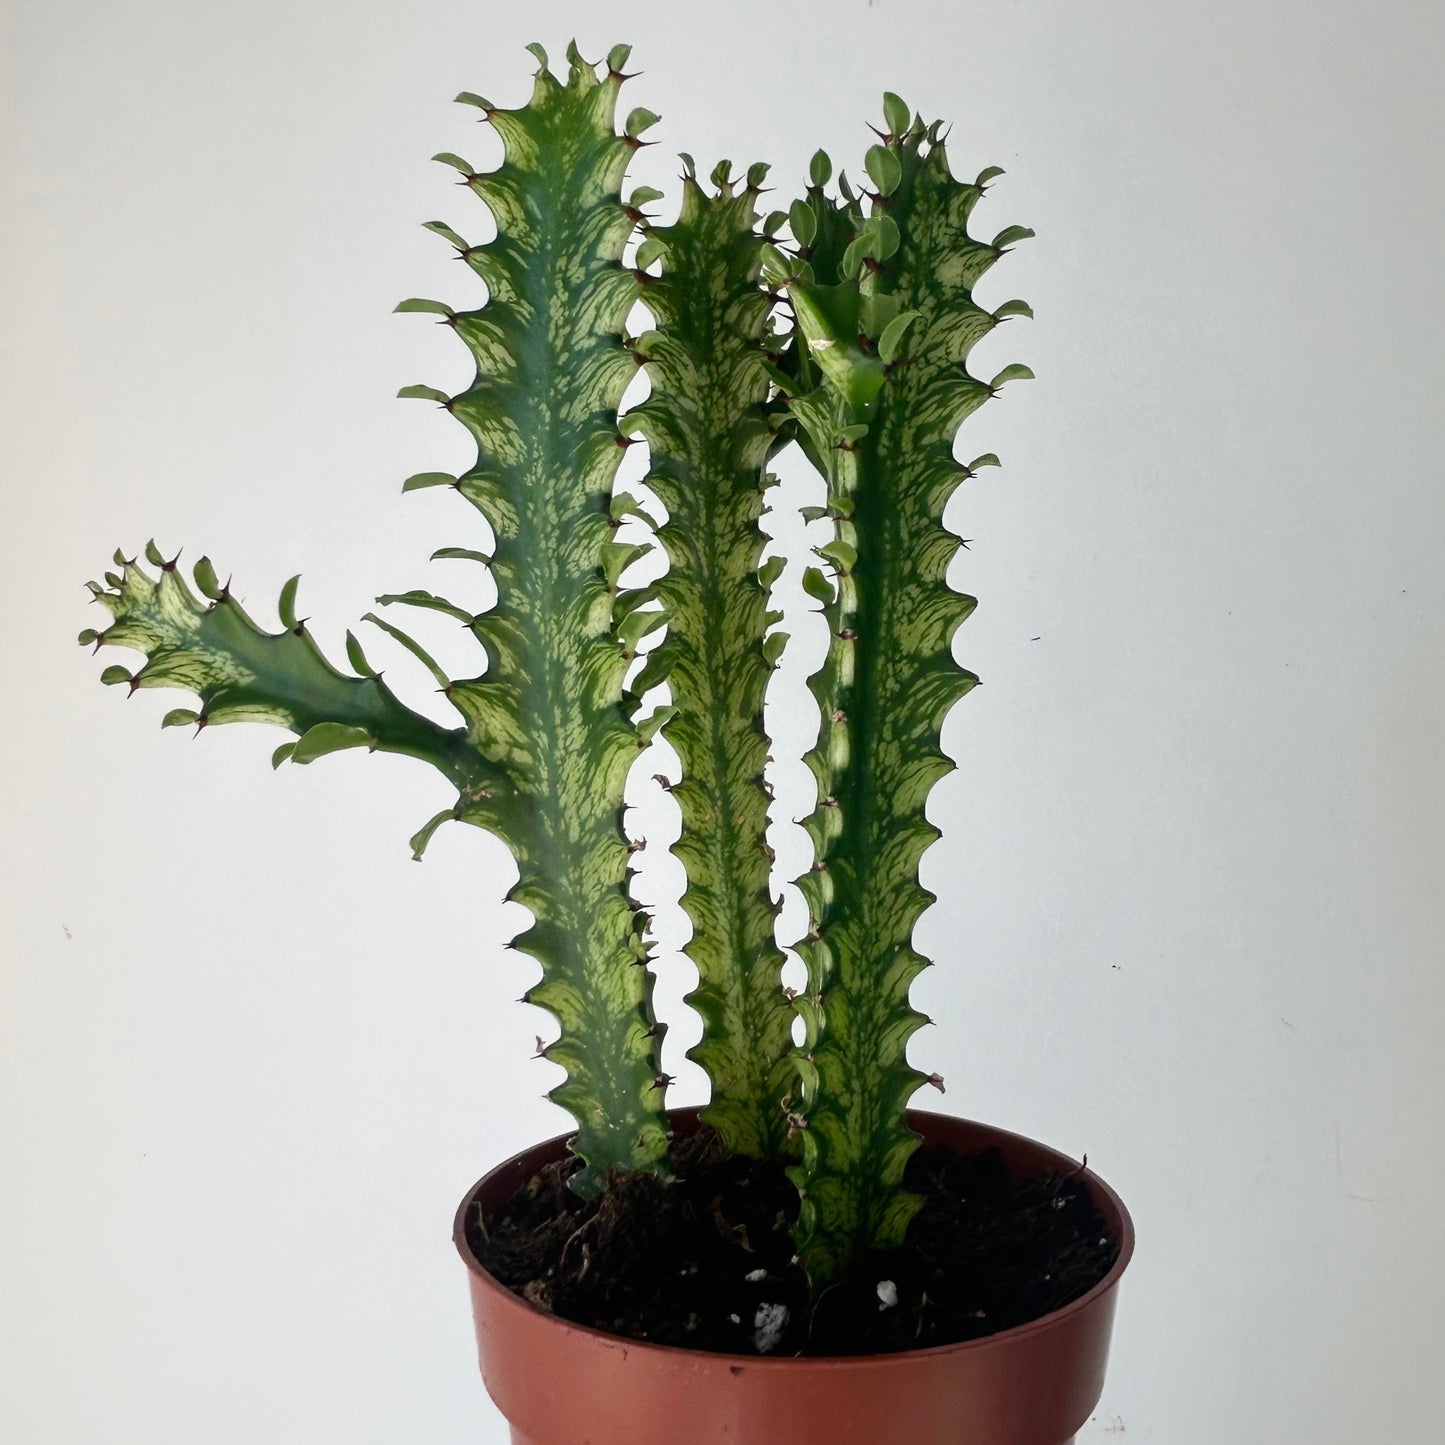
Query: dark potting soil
(706,1261)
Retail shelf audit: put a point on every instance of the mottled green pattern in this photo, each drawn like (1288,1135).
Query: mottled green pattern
(208,646)
(707,430)
(547,742)
(548,709)
(872,382)
(882,423)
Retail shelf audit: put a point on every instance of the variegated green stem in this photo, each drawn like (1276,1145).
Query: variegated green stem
(889,339)
(208,646)
(548,709)
(708,434)
(547,742)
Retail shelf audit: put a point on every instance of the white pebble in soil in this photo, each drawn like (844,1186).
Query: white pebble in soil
(756,1277)
(768,1326)
(887,1294)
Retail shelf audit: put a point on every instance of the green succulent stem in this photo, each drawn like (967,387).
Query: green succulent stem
(887,333)
(209,646)
(708,433)
(548,708)
(873,383)
(547,740)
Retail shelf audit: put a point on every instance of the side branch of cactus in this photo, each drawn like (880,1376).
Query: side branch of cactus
(887,335)
(548,707)
(708,434)
(823,226)
(204,643)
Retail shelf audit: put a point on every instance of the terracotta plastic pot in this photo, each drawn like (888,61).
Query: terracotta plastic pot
(560,1384)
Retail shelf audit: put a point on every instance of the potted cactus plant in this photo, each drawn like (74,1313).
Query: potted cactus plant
(843,324)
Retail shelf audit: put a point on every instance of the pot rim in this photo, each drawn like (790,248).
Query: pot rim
(1001,1339)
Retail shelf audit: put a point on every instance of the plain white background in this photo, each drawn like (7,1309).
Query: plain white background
(1191,915)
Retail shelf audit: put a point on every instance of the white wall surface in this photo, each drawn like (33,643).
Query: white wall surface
(1192,910)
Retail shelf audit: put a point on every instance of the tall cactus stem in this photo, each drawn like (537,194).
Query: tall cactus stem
(707,429)
(885,317)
